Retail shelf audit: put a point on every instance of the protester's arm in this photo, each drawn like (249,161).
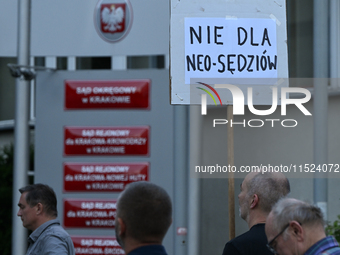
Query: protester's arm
(55,245)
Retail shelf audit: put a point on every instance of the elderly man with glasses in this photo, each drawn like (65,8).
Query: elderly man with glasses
(296,227)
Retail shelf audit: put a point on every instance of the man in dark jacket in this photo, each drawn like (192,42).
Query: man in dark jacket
(259,192)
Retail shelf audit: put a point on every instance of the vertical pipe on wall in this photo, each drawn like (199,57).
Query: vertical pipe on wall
(334,37)
(194,183)
(231,179)
(21,127)
(181,178)
(321,73)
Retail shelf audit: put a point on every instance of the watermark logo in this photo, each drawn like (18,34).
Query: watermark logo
(239,103)
(204,97)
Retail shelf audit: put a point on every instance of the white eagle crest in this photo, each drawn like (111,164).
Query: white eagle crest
(112,18)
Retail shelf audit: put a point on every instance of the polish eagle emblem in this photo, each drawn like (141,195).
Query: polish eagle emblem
(112,17)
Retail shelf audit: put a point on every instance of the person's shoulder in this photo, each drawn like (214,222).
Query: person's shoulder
(57,241)
(245,237)
(249,242)
(254,232)
(55,230)
(149,249)
(329,245)
(332,251)
(232,247)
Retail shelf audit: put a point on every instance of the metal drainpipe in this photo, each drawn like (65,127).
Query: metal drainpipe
(21,126)
(321,73)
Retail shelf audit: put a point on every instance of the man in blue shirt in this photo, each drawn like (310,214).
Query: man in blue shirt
(38,212)
(143,218)
(296,227)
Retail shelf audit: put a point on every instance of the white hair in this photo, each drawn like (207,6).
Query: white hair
(288,209)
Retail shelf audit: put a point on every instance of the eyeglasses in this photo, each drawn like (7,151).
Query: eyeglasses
(269,244)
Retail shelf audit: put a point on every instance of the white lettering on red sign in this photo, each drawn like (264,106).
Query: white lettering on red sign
(101,132)
(108,141)
(103,176)
(106,90)
(84,90)
(125,94)
(105,169)
(98,205)
(108,99)
(96,245)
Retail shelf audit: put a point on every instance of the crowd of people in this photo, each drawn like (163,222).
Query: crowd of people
(277,224)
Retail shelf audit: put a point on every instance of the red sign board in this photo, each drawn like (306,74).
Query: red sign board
(89,213)
(96,245)
(101,141)
(128,94)
(103,176)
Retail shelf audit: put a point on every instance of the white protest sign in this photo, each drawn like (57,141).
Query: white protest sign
(230,48)
(221,41)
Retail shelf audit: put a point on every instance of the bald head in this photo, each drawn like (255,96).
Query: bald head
(269,187)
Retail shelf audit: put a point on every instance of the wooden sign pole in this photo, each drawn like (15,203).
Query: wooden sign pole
(231,181)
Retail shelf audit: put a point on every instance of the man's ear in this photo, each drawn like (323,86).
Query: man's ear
(296,230)
(122,227)
(254,201)
(39,208)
